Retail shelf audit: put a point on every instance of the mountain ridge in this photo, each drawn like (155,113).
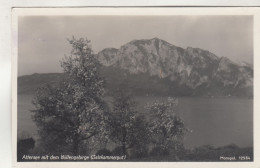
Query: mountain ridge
(155,65)
(162,59)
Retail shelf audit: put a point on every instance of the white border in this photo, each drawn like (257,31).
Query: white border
(138,11)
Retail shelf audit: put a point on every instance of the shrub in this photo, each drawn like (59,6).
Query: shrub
(24,146)
(104,152)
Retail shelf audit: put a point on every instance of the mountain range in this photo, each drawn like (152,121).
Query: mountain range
(154,66)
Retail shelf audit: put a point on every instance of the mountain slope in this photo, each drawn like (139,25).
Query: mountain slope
(154,66)
(28,84)
(190,68)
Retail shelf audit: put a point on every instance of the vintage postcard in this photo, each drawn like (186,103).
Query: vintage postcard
(108,87)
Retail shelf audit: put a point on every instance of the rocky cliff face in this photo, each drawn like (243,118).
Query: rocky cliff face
(108,56)
(192,67)
(156,67)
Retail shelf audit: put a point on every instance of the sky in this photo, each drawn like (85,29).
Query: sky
(42,40)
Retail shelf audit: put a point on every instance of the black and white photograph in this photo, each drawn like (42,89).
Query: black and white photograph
(135,88)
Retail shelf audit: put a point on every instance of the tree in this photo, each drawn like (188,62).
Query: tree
(166,128)
(127,128)
(73,112)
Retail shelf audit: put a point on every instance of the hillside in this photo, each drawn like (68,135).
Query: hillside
(192,70)
(154,66)
(28,84)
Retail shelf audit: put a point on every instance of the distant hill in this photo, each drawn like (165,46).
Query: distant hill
(154,66)
(28,84)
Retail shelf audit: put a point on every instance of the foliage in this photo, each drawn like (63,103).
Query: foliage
(69,115)
(83,68)
(140,148)
(72,117)
(166,128)
(127,128)
(24,146)
(158,151)
(118,151)
(104,151)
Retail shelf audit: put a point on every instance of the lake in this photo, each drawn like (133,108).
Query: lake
(218,121)
(213,121)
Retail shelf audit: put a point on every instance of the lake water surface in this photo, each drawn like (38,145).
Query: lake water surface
(217,121)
